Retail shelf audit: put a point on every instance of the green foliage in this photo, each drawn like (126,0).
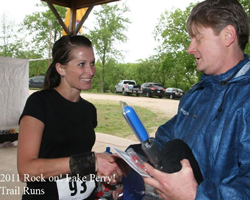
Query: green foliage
(108,30)
(177,67)
(111,121)
(172,66)
(246,5)
(151,66)
(9,47)
(36,25)
(38,67)
(35,40)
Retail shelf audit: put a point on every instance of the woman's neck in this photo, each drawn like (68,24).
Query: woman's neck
(70,94)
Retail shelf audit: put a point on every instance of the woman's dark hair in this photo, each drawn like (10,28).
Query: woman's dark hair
(217,14)
(61,53)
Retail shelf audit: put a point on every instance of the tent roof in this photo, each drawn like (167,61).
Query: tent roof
(74,5)
(79,3)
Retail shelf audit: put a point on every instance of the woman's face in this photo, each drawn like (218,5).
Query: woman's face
(79,72)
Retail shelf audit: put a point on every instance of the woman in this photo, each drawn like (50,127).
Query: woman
(56,132)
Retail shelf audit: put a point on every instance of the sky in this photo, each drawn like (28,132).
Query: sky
(143,17)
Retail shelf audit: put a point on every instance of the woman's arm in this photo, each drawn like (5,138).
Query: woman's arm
(28,163)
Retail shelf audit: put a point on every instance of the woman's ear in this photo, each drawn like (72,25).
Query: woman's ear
(60,69)
(230,35)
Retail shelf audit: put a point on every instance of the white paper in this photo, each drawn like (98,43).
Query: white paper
(130,162)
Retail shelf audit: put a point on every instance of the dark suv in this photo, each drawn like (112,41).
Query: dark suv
(153,89)
(173,93)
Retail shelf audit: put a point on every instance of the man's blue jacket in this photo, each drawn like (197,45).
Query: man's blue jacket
(214,120)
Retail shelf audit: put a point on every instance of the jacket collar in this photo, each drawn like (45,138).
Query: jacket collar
(240,69)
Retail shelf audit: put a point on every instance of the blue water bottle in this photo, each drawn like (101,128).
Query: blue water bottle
(148,144)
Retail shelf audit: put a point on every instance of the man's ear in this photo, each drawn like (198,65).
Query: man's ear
(230,35)
(60,69)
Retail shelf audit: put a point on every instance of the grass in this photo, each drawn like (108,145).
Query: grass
(111,120)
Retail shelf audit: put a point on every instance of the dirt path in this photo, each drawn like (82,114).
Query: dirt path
(166,106)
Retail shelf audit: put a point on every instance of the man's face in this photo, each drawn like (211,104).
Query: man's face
(209,51)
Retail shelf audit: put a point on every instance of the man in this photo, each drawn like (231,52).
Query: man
(214,116)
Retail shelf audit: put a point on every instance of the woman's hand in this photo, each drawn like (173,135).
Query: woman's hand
(108,167)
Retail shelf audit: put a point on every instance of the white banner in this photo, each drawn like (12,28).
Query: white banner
(14,90)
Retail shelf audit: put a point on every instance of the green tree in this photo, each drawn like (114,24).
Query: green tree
(4,36)
(246,5)
(177,66)
(13,44)
(40,36)
(147,70)
(8,44)
(38,31)
(31,40)
(108,31)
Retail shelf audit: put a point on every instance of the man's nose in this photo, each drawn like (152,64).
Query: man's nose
(191,48)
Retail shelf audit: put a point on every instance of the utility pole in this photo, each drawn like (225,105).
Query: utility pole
(50,32)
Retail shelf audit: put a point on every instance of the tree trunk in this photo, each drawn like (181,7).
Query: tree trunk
(102,80)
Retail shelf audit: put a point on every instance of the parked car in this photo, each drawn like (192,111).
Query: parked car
(174,93)
(36,81)
(151,89)
(127,87)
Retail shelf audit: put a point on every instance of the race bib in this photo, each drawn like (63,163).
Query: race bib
(69,189)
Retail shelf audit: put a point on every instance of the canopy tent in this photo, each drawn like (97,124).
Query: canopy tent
(14,90)
(74,5)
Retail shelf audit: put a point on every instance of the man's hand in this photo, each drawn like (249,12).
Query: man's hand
(111,166)
(176,186)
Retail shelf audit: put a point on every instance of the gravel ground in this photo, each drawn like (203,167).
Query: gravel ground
(166,106)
